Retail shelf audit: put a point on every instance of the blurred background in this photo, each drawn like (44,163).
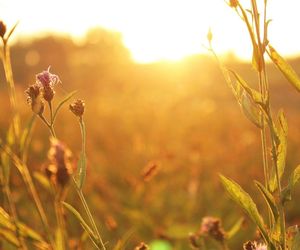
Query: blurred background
(154,97)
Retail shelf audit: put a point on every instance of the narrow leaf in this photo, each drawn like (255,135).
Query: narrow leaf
(26,133)
(250,110)
(82,222)
(254,94)
(269,200)
(42,180)
(293,180)
(9,236)
(235,228)
(244,200)
(62,102)
(285,68)
(281,150)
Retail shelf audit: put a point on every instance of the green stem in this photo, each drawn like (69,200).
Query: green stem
(60,220)
(50,126)
(88,212)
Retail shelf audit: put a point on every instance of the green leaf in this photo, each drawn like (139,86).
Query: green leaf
(250,110)
(244,200)
(293,180)
(269,200)
(26,133)
(285,68)
(235,228)
(25,231)
(43,180)
(254,94)
(9,236)
(82,222)
(62,102)
(281,150)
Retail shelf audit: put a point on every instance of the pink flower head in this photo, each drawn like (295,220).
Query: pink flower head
(45,79)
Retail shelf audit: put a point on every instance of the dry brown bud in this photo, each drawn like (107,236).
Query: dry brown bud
(142,246)
(48,93)
(60,168)
(2,29)
(212,227)
(77,107)
(34,99)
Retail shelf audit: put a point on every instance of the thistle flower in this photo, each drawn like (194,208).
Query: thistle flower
(34,99)
(2,29)
(142,246)
(60,168)
(46,82)
(77,107)
(212,227)
(253,245)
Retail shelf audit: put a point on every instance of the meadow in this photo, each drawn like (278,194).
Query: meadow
(157,137)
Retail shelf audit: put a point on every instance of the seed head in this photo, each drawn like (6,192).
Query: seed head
(253,245)
(142,246)
(34,99)
(212,227)
(233,3)
(60,168)
(2,29)
(77,107)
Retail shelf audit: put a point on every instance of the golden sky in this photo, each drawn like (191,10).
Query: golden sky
(157,29)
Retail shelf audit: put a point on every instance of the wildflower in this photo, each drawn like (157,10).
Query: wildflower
(60,168)
(142,246)
(233,3)
(46,82)
(212,227)
(193,239)
(34,99)
(77,107)
(2,29)
(253,245)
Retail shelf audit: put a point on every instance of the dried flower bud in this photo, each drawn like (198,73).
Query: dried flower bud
(34,99)
(253,245)
(142,246)
(46,82)
(233,3)
(60,167)
(212,227)
(48,93)
(2,29)
(77,107)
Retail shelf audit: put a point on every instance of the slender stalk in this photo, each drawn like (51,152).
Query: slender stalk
(88,212)
(11,86)
(60,220)
(264,91)
(50,126)
(13,211)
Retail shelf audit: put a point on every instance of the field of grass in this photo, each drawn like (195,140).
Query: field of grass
(157,137)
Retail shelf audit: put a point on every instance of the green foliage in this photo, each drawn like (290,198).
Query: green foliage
(245,201)
(285,68)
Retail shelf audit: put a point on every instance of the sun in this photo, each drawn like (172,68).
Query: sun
(155,30)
